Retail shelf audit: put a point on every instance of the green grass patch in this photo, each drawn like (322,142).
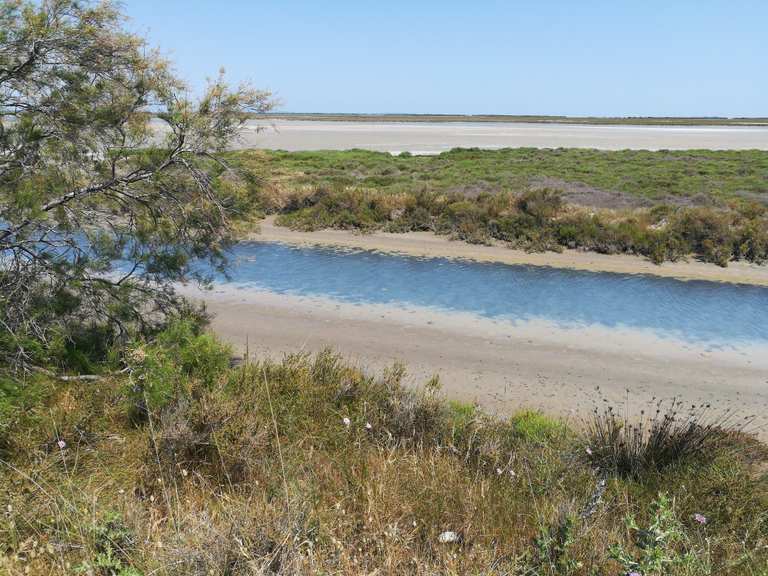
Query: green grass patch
(711,205)
(534,426)
(654,175)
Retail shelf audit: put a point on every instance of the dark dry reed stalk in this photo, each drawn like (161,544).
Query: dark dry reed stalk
(673,431)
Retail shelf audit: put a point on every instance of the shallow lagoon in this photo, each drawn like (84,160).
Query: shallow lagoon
(710,313)
(436,137)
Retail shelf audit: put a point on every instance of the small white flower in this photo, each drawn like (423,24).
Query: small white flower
(447,537)
(512,473)
(499,471)
(589,451)
(184,472)
(61,444)
(368,426)
(346,421)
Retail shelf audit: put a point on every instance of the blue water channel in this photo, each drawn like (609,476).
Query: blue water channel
(711,313)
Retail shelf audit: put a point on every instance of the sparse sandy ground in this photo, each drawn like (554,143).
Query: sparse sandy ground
(436,137)
(499,365)
(426,244)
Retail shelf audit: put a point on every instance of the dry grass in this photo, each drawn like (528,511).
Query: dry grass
(309,466)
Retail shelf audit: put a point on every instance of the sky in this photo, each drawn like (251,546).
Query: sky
(555,57)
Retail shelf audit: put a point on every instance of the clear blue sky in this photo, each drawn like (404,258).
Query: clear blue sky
(574,57)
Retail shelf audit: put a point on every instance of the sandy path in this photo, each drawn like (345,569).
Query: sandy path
(436,137)
(426,244)
(501,366)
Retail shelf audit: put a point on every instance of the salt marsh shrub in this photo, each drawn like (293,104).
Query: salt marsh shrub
(538,220)
(542,205)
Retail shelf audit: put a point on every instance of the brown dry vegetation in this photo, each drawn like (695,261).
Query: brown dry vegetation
(308,466)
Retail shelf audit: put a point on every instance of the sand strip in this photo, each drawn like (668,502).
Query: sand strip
(426,244)
(500,365)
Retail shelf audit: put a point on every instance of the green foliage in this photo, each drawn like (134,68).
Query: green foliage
(17,398)
(462,413)
(533,426)
(539,220)
(554,548)
(84,349)
(663,205)
(110,187)
(166,366)
(633,177)
(113,544)
(663,547)
(672,434)
(309,465)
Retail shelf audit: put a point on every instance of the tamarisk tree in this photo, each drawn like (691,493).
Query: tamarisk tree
(111,179)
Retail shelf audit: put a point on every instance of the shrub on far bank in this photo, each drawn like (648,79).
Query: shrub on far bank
(538,220)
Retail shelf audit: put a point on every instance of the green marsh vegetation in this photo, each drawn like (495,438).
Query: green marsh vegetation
(660,205)
(180,464)
(626,178)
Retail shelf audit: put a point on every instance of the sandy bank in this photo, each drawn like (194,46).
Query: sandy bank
(426,244)
(500,365)
(436,137)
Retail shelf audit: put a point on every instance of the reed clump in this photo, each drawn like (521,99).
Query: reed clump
(632,445)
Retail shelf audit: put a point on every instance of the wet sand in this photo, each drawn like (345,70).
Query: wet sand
(436,137)
(501,366)
(426,244)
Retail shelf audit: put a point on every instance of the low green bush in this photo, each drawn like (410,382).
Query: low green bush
(533,426)
(663,546)
(113,546)
(172,361)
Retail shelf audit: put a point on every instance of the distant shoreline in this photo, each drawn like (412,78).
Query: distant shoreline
(508,118)
(429,245)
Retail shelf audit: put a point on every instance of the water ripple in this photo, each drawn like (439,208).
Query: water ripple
(696,311)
